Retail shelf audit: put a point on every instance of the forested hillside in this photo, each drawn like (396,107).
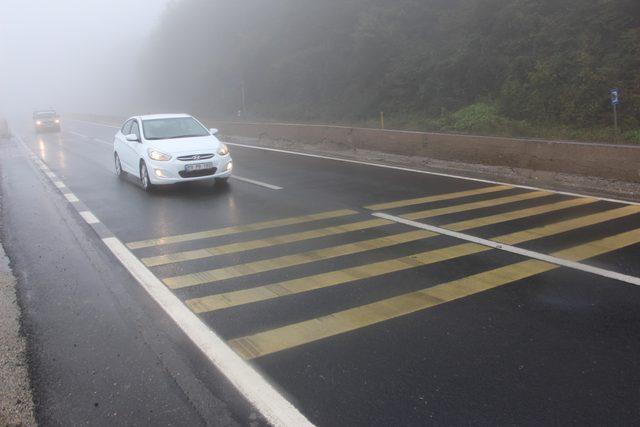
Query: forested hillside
(523,67)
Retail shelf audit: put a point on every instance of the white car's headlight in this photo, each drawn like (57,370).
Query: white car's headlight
(223,150)
(157,155)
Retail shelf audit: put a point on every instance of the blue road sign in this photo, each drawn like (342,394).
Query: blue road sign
(615,96)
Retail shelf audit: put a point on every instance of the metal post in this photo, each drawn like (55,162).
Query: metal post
(381,120)
(615,117)
(243,99)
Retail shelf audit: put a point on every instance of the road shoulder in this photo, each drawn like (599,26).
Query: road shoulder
(16,400)
(97,347)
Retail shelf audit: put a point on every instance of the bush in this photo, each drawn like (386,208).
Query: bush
(632,136)
(480,118)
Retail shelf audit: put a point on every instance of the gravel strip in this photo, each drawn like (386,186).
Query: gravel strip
(16,402)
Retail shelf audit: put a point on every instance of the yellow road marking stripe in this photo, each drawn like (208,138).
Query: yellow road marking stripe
(570,224)
(199,278)
(519,214)
(304,332)
(430,213)
(239,229)
(334,278)
(438,197)
(323,232)
(263,243)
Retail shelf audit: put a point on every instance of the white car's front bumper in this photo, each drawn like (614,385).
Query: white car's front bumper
(173,171)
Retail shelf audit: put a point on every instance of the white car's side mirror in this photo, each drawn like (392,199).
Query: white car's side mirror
(213,131)
(132,137)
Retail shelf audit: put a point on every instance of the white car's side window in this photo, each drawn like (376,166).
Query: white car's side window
(126,128)
(135,128)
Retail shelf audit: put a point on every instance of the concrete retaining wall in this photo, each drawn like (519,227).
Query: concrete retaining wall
(609,161)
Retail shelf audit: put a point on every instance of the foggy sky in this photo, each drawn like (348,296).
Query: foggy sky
(72,54)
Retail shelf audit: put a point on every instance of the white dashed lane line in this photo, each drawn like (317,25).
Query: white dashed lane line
(236,177)
(259,183)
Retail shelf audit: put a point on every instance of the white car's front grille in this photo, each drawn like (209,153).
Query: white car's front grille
(195,157)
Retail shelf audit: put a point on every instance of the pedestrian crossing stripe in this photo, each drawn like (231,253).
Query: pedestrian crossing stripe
(340,277)
(239,229)
(518,214)
(438,197)
(255,267)
(322,232)
(297,334)
(430,213)
(263,243)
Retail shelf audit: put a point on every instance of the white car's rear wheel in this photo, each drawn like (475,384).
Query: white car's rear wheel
(118,165)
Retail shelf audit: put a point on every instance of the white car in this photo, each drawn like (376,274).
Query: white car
(170,148)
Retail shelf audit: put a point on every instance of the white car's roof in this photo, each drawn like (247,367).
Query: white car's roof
(161,116)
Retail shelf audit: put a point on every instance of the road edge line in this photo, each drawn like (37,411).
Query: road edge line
(271,404)
(446,175)
(633,280)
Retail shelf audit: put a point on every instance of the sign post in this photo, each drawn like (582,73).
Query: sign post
(615,101)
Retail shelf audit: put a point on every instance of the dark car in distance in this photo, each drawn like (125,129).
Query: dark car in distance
(46,120)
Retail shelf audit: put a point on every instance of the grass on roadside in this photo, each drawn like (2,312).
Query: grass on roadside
(484,119)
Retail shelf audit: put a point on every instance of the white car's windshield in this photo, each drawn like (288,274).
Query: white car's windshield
(173,128)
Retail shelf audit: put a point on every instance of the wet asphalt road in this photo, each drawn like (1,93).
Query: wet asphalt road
(326,315)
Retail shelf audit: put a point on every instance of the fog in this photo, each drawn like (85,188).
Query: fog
(531,68)
(72,55)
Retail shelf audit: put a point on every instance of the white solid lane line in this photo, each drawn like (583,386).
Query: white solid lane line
(274,407)
(400,168)
(514,249)
(261,184)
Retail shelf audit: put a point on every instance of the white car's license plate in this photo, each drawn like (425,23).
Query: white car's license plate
(198,166)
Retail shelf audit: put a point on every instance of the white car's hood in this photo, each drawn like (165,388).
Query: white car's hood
(197,145)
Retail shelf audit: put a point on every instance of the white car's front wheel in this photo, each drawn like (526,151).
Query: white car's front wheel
(144,177)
